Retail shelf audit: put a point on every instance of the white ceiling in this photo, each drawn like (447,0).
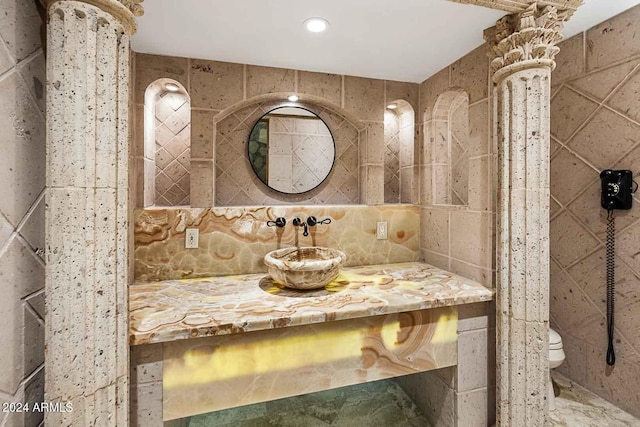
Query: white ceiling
(406,40)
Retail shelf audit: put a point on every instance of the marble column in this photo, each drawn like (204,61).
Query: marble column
(523,50)
(87,210)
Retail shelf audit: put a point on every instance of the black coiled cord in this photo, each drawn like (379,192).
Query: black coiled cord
(611,279)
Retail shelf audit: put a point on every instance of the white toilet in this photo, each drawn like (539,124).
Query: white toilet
(556,357)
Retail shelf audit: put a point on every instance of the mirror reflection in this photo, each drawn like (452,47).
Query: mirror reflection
(291,150)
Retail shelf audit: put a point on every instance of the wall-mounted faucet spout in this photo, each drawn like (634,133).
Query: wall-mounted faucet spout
(300,223)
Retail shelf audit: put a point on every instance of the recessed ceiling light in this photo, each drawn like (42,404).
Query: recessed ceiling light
(392,106)
(171,87)
(316,25)
(293,98)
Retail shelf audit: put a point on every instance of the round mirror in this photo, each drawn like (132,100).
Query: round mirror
(291,150)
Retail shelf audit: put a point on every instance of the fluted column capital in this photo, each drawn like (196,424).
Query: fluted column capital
(126,11)
(525,40)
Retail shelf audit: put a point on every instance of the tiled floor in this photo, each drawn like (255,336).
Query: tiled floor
(384,404)
(578,407)
(376,404)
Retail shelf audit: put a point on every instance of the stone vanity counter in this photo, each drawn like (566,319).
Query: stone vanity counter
(193,308)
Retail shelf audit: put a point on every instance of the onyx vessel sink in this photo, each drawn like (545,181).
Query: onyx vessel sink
(304,268)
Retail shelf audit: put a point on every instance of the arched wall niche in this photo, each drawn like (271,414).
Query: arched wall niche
(166,144)
(400,166)
(236,184)
(450,148)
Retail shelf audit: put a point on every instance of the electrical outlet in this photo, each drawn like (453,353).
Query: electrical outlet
(381,230)
(191,238)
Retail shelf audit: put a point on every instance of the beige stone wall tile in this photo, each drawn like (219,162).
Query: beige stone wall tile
(473,407)
(375,144)
(20,28)
(426,175)
(149,68)
(587,209)
(479,130)
(627,245)
(470,237)
(590,276)
(575,363)
(364,98)
(475,316)
(554,208)
(471,73)
(569,240)
(148,188)
(6,60)
(569,110)
(479,274)
(202,134)
(263,80)
(436,232)
(138,131)
(23,142)
(619,386)
(434,398)
(405,91)
(599,84)
(33,72)
(32,229)
(621,136)
(20,268)
(215,85)
(625,99)
(146,362)
(323,85)
(569,176)
(146,405)
(374,185)
(430,89)
(437,260)
(570,59)
(613,40)
(479,183)
(202,193)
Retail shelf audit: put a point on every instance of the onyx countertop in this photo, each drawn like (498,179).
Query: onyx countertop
(192,308)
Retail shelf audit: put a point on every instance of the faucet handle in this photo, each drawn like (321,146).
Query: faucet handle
(279,222)
(312,220)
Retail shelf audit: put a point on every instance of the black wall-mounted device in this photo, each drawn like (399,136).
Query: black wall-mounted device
(617,192)
(617,189)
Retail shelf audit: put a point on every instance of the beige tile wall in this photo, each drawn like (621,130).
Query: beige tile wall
(459,238)
(391,157)
(216,86)
(595,125)
(172,149)
(238,185)
(22,171)
(400,169)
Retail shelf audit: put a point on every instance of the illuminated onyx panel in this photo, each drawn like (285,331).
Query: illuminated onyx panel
(214,373)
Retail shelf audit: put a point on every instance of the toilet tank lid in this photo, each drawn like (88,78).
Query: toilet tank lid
(554,337)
